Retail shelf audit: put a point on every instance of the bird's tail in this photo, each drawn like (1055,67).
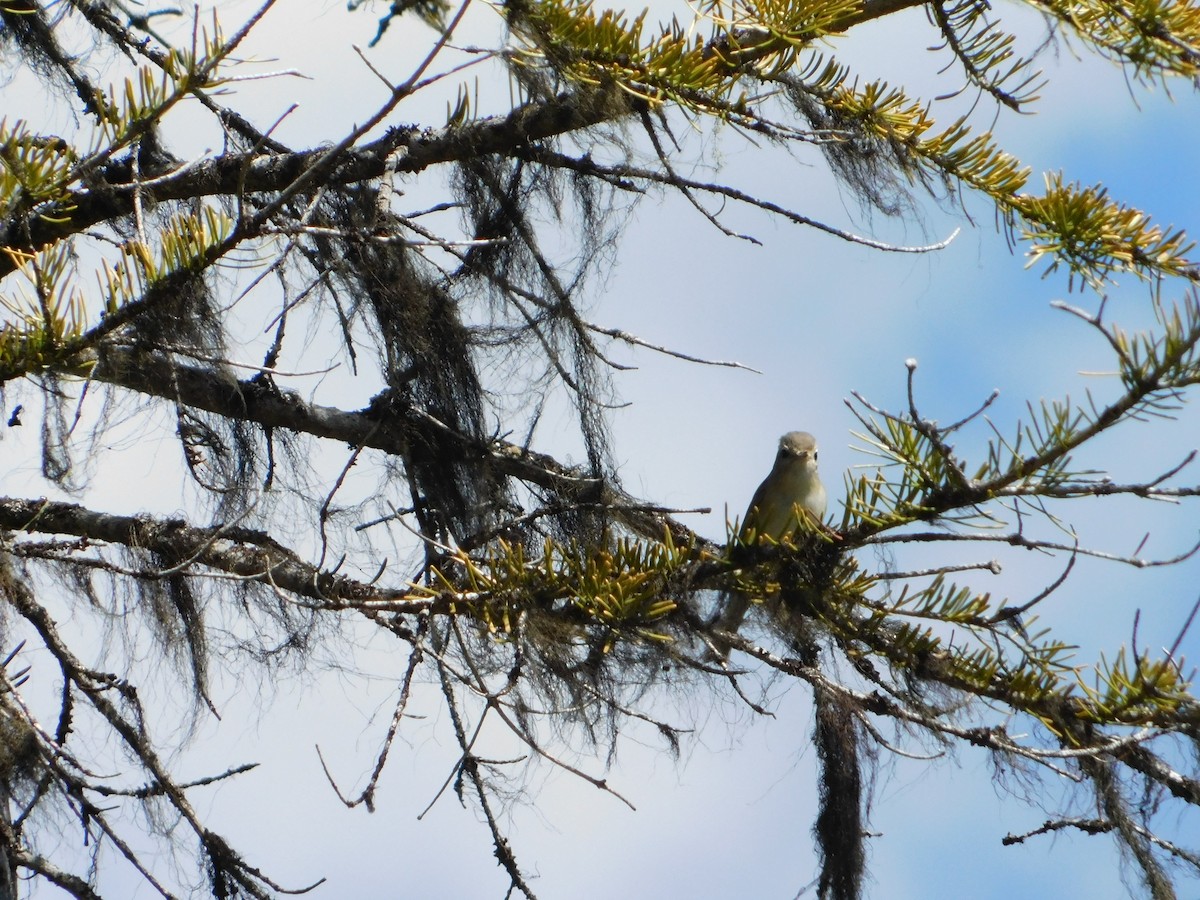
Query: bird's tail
(731,610)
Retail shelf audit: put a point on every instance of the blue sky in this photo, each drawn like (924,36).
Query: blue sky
(819,318)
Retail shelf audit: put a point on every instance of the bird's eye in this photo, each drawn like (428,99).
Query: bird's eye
(815,455)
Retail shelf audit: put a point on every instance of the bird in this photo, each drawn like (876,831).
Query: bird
(791,490)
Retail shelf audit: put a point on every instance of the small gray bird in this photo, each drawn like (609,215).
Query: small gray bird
(791,489)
